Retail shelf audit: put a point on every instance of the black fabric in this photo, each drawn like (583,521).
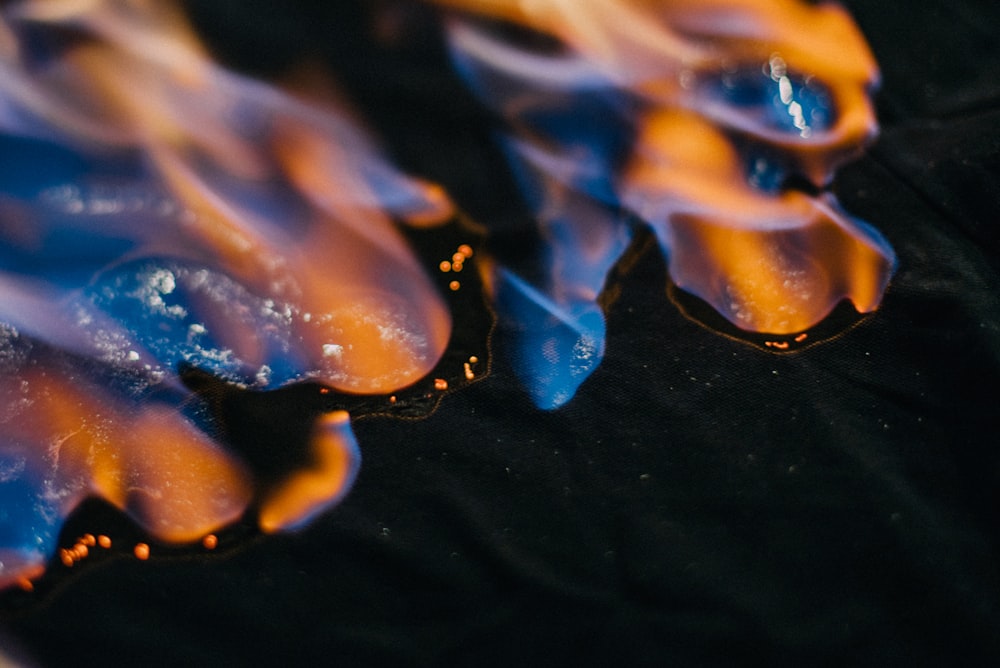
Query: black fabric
(702,501)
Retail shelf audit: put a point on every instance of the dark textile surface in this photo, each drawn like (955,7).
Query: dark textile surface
(701,501)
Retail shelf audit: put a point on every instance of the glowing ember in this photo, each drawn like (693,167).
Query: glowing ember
(692,117)
(157,211)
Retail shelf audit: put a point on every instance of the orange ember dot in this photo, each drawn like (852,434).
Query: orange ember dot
(780,345)
(456,267)
(465,250)
(66,558)
(392,399)
(141,551)
(104,541)
(801,337)
(88,540)
(473,360)
(445,266)
(210,541)
(468,372)
(324,390)
(454,285)
(440,384)
(80,551)
(458,257)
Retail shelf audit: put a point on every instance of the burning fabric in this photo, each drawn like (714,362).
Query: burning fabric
(694,119)
(159,212)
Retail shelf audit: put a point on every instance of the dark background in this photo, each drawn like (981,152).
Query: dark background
(702,500)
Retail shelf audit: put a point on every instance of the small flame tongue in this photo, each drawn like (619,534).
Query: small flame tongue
(693,116)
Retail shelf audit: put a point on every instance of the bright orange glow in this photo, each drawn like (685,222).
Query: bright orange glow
(228,181)
(145,82)
(769,263)
(704,85)
(658,47)
(307,492)
(148,460)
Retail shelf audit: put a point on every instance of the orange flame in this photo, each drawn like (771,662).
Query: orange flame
(659,48)
(145,82)
(770,259)
(768,263)
(282,195)
(295,501)
(79,440)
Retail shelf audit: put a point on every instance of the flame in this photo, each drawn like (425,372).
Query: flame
(769,262)
(66,438)
(221,145)
(306,493)
(692,117)
(670,51)
(158,210)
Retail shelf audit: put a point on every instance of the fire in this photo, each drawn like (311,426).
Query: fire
(306,493)
(769,262)
(67,438)
(157,210)
(693,117)
(286,197)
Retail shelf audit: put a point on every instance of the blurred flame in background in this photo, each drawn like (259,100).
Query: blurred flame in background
(157,210)
(694,118)
(283,196)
